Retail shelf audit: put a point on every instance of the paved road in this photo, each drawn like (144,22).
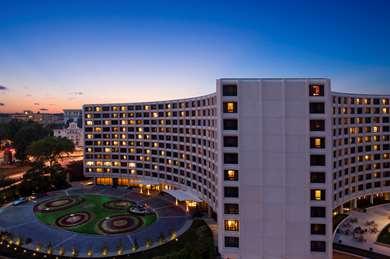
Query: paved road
(20,220)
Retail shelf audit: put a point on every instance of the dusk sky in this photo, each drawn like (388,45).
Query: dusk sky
(62,54)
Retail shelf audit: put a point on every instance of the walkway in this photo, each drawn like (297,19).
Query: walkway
(21,221)
(379,214)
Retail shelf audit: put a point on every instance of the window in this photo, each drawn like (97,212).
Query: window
(317,160)
(230,124)
(231,175)
(231,208)
(318,229)
(317,108)
(317,177)
(231,225)
(318,212)
(230,107)
(317,142)
(318,246)
(317,125)
(230,141)
(231,192)
(229,90)
(317,195)
(231,242)
(230,158)
(316,90)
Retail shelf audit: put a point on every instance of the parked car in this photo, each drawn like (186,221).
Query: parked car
(19,201)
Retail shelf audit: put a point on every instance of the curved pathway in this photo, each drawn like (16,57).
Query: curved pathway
(21,221)
(379,214)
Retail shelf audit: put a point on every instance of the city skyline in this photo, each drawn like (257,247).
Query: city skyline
(57,55)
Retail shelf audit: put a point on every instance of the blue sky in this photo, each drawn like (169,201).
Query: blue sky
(61,54)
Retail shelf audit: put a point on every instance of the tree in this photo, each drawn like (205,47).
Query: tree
(22,134)
(50,149)
(41,178)
(34,181)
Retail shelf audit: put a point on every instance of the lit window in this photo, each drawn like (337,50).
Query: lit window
(317,195)
(317,142)
(231,175)
(316,90)
(230,107)
(89,123)
(231,225)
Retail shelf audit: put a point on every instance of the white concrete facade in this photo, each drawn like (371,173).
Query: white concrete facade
(274,169)
(72,132)
(260,152)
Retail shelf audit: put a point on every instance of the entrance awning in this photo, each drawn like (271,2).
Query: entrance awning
(181,195)
(146,182)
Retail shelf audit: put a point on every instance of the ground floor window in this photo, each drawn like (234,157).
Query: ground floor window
(104,181)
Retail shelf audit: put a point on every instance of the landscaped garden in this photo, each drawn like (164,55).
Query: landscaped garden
(93,214)
(384,235)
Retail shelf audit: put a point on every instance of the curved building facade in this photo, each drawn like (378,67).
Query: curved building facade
(273,158)
(169,142)
(361,148)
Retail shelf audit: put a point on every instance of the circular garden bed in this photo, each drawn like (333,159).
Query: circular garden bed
(92,214)
(120,224)
(57,204)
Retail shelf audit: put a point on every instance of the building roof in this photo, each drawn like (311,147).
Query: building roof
(182,195)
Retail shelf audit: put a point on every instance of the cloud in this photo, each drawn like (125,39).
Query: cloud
(36,104)
(3,88)
(76,93)
(28,95)
(2,104)
(43,109)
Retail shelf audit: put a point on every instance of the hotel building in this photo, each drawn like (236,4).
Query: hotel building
(271,158)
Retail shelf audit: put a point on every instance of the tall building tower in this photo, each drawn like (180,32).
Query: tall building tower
(275,157)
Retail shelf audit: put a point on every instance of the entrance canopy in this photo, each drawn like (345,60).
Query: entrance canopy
(146,182)
(181,195)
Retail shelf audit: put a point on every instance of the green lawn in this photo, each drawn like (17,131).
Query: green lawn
(384,235)
(195,243)
(94,205)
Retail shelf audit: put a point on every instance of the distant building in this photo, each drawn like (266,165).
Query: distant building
(25,115)
(8,156)
(72,115)
(73,133)
(39,117)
